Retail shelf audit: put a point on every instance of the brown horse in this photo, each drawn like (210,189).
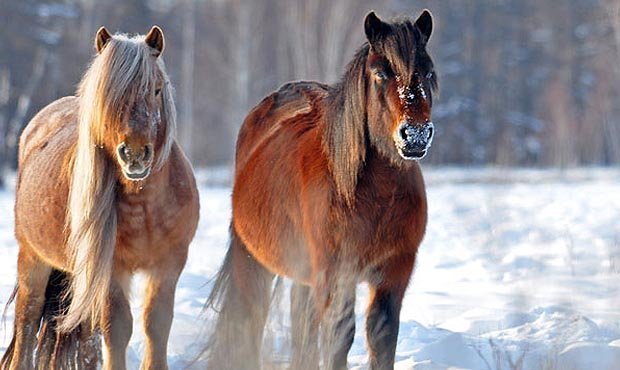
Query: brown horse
(103,191)
(328,193)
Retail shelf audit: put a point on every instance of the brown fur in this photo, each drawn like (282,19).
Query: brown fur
(322,196)
(143,225)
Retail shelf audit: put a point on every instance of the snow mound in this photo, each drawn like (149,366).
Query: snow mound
(545,338)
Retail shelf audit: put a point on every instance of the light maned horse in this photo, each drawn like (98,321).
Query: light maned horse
(103,191)
(328,192)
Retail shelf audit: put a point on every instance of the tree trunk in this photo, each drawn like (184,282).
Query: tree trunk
(186,116)
(24,101)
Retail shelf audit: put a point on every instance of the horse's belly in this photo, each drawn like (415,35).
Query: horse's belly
(40,227)
(42,189)
(280,251)
(269,233)
(266,211)
(40,209)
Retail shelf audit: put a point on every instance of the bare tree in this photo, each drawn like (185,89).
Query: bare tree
(186,112)
(523,82)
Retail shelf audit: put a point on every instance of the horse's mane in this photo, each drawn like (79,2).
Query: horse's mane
(124,69)
(346,132)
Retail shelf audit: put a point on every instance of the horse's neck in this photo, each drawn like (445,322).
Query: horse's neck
(154,188)
(378,167)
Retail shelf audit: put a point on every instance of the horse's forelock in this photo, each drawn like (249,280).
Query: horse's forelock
(400,49)
(403,48)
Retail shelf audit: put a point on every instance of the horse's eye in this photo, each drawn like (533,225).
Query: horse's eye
(380,75)
(157,92)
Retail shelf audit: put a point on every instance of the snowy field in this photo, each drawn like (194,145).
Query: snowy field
(520,269)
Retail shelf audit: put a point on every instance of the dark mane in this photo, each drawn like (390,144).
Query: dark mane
(345,132)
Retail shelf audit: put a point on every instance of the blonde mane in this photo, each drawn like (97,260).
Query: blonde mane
(124,69)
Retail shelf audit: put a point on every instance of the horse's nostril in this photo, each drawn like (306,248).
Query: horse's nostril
(430,133)
(122,152)
(413,134)
(404,131)
(148,152)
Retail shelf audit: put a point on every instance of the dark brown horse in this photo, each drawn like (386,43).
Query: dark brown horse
(328,193)
(104,191)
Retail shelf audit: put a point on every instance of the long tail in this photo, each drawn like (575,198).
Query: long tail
(78,349)
(220,284)
(10,350)
(241,296)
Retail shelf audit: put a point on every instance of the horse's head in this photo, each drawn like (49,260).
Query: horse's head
(401,80)
(136,102)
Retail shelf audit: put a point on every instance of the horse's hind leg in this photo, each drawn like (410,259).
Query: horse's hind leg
(304,329)
(384,311)
(116,322)
(158,312)
(32,278)
(243,291)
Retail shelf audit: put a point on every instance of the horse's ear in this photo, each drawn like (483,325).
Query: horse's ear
(375,28)
(424,24)
(155,39)
(101,39)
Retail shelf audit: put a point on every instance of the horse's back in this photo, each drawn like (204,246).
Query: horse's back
(280,108)
(43,182)
(57,118)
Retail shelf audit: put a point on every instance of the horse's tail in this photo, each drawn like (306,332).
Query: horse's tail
(78,349)
(241,296)
(10,350)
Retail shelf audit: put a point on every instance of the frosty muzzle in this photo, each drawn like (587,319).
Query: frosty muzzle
(413,141)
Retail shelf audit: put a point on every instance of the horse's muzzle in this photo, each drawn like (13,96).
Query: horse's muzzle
(414,141)
(135,164)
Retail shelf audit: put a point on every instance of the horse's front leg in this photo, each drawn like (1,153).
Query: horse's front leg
(334,294)
(116,322)
(383,316)
(158,313)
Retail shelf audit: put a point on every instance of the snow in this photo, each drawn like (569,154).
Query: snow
(519,269)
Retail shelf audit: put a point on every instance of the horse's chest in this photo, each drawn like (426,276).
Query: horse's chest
(378,218)
(386,223)
(143,229)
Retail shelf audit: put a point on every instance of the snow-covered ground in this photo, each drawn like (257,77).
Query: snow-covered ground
(520,269)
